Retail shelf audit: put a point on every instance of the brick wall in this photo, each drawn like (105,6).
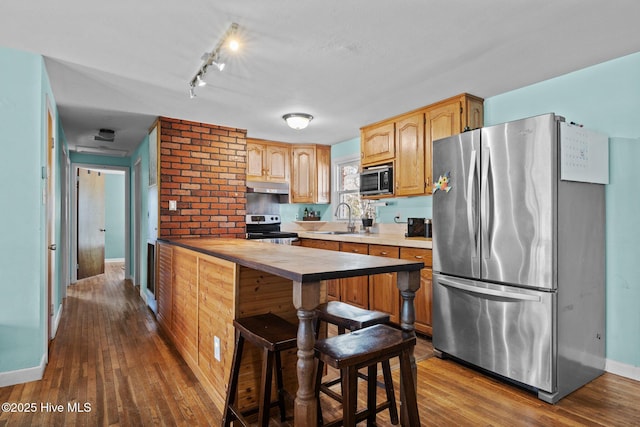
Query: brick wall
(203,168)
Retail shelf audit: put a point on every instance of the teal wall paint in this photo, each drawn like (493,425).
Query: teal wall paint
(92,159)
(623,268)
(346,148)
(114,215)
(23,93)
(604,97)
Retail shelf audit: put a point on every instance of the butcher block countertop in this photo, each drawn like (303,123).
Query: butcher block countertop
(294,262)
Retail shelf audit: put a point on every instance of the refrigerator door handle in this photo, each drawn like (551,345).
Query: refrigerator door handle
(514,296)
(471,224)
(484,202)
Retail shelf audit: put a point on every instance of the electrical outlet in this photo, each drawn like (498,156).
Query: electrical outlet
(216,348)
(173,205)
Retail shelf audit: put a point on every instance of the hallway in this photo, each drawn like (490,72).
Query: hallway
(109,355)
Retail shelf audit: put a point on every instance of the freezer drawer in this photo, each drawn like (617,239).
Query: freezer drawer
(503,329)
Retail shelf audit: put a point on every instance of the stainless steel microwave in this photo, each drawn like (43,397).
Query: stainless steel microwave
(376,180)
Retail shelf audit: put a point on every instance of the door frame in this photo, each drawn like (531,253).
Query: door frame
(137,222)
(74,222)
(50,220)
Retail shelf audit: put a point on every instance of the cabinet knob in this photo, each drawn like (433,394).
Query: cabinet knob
(384,253)
(419,257)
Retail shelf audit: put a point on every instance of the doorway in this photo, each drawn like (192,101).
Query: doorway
(77,220)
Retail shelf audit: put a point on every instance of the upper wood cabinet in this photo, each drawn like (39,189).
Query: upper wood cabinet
(311,174)
(407,140)
(267,161)
(409,173)
(377,143)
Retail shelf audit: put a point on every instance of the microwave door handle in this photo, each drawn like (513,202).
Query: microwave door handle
(471,223)
(513,296)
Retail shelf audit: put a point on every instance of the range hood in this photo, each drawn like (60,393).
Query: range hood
(281,188)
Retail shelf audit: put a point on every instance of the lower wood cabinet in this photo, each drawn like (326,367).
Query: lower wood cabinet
(355,290)
(383,290)
(380,292)
(424,297)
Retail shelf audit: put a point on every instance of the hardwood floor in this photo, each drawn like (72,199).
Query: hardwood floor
(110,355)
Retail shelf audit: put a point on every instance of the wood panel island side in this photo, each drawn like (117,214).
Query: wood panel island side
(205,283)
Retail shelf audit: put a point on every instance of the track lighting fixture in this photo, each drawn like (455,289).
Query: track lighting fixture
(199,80)
(213,58)
(218,65)
(297,121)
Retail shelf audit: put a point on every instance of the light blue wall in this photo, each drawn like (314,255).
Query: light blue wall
(604,97)
(24,89)
(114,215)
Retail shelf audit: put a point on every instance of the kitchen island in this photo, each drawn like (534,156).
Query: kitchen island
(205,283)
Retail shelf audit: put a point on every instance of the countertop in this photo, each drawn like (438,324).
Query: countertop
(370,238)
(297,263)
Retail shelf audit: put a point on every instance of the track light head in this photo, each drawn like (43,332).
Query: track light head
(199,80)
(218,65)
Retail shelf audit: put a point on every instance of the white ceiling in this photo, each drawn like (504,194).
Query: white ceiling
(120,63)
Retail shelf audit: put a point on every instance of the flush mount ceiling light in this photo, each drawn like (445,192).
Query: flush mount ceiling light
(213,58)
(297,121)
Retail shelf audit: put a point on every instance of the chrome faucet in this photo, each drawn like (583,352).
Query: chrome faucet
(350,226)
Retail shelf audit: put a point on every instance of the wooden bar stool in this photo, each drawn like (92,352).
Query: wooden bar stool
(273,334)
(366,348)
(348,317)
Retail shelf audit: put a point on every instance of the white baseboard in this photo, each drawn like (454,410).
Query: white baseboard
(24,375)
(56,322)
(622,369)
(114,260)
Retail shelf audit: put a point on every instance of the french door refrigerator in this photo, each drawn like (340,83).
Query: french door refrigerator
(518,258)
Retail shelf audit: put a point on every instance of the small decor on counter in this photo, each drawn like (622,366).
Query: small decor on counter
(310,215)
(368,215)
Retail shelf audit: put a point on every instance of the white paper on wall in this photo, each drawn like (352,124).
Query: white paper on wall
(584,154)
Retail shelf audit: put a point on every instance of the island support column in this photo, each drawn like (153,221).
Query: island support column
(306,297)
(408,283)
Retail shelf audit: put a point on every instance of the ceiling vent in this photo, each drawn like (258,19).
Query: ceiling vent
(106,135)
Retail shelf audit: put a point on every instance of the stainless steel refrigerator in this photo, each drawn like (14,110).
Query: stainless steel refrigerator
(518,258)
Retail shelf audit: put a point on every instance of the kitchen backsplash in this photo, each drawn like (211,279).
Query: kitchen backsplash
(406,207)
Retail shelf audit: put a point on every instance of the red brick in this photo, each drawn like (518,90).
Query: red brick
(180,140)
(203,167)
